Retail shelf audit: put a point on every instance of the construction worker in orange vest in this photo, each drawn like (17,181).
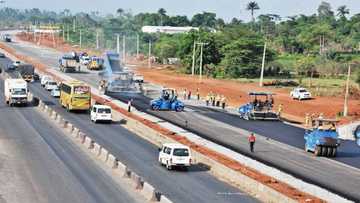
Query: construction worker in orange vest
(252,140)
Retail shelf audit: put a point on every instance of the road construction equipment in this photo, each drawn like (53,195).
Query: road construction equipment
(260,107)
(167,101)
(96,63)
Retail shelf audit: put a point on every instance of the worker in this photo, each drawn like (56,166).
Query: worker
(307,120)
(280,110)
(184,94)
(213,99)
(252,140)
(198,94)
(129,105)
(321,116)
(312,121)
(189,95)
(223,101)
(218,98)
(207,99)
(102,85)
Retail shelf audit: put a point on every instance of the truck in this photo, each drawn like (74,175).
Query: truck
(69,63)
(16,92)
(26,72)
(7,38)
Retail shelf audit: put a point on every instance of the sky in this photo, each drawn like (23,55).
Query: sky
(226,9)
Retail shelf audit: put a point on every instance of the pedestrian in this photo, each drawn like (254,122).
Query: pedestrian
(129,105)
(280,110)
(207,99)
(252,140)
(198,94)
(223,101)
(184,94)
(218,98)
(307,120)
(213,99)
(189,95)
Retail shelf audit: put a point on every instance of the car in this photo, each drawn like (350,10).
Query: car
(11,67)
(50,85)
(100,113)
(44,79)
(300,93)
(55,92)
(36,77)
(175,155)
(357,135)
(85,60)
(2,55)
(16,63)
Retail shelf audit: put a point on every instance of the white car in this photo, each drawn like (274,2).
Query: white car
(44,79)
(16,63)
(173,154)
(85,60)
(50,85)
(300,93)
(101,113)
(55,92)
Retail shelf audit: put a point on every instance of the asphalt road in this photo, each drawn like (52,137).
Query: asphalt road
(39,164)
(226,129)
(194,185)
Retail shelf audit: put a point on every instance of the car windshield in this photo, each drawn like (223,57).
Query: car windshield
(19,91)
(302,91)
(181,152)
(104,110)
(52,83)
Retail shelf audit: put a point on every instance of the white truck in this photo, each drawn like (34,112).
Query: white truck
(16,92)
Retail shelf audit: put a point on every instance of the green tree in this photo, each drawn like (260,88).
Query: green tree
(252,6)
(205,19)
(162,14)
(324,10)
(342,11)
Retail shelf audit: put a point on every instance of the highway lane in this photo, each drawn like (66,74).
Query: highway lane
(39,164)
(195,185)
(335,177)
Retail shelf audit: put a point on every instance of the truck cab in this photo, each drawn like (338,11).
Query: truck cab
(16,92)
(322,138)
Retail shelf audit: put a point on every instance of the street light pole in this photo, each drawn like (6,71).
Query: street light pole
(124,47)
(80,40)
(97,39)
(193,60)
(137,45)
(118,43)
(262,67)
(201,58)
(347,91)
(149,57)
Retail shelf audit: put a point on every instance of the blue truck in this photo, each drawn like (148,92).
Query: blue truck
(322,138)
(357,135)
(260,107)
(167,101)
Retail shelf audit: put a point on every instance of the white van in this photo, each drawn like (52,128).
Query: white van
(50,85)
(44,79)
(101,113)
(173,155)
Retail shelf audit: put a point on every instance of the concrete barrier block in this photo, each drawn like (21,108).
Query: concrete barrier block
(96,149)
(87,142)
(164,199)
(68,126)
(81,137)
(75,132)
(148,191)
(136,179)
(111,161)
(46,108)
(54,115)
(121,169)
(103,154)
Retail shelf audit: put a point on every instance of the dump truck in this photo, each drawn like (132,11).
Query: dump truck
(6,38)
(26,71)
(16,91)
(69,63)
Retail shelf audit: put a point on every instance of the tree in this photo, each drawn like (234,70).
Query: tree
(252,6)
(162,13)
(342,12)
(120,11)
(205,19)
(324,10)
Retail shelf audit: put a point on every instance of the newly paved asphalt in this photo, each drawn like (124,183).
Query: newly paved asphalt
(38,164)
(226,130)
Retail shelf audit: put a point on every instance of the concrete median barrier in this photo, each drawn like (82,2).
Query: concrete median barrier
(136,179)
(81,137)
(111,161)
(88,142)
(96,149)
(103,154)
(164,199)
(75,132)
(54,115)
(121,169)
(148,191)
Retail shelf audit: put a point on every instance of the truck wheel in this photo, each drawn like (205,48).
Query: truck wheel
(334,152)
(317,151)
(324,151)
(246,116)
(168,166)
(329,152)
(179,109)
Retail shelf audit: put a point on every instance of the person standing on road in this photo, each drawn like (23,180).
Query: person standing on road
(198,94)
(223,101)
(252,140)
(280,109)
(189,95)
(184,94)
(207,99)
(129,105)
(218,98)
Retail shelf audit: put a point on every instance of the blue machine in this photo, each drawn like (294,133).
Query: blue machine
(357,135)
(167,101)
(259,108)
(322,139)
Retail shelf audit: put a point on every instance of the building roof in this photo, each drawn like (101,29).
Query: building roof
(167,29)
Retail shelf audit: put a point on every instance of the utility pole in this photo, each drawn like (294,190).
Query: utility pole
(201,58)
(80,40)
(137,45)
(262,67)
(74,24)
(347,91)
(124,49)
(68,34)
(97,39)
(118,43)
(53,38)
(193,60)
(149,56)
(63,33)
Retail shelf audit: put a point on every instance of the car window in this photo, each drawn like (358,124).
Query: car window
(302,90)
(164,149)
(181,152)
(168,150)
(104,110)
(94,109)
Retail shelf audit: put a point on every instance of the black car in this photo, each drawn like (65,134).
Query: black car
(36,77)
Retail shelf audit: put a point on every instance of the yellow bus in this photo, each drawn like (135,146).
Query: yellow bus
(75,95)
